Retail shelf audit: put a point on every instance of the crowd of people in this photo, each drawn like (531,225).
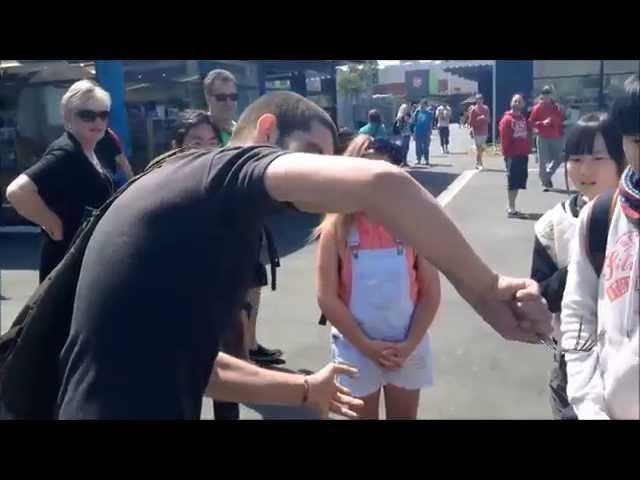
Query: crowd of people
(165,302)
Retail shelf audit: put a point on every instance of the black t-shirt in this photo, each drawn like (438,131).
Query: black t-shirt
(163,274)
(107,149)
(68,182)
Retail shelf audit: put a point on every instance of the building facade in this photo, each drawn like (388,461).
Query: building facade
(587,85)
(147,97)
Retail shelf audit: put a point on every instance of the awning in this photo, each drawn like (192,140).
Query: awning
(469,69)
(44,71)
(62,73)
(467,64)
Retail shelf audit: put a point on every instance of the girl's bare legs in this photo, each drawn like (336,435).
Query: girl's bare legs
(371,408)
(253,297)
(400,403)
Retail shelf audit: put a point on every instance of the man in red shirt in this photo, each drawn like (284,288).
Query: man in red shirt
(479,118)
(547,119)
(514,138)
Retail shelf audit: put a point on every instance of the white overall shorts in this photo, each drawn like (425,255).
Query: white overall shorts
(382,305)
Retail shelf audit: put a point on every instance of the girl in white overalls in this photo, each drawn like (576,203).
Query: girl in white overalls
(380,298)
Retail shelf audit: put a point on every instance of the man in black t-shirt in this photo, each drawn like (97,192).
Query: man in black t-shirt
(167,268)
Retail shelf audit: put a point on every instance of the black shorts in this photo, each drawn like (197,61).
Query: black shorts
(517,172)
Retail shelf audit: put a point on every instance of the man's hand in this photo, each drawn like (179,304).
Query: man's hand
(531,309)
(547,122)
(326,395)
(516,310)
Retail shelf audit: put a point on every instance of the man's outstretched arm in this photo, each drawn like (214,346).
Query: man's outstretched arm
(319,183)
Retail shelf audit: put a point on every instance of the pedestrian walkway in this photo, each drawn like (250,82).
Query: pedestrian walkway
(478,374)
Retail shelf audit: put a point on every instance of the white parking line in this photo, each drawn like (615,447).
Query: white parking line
(447,195)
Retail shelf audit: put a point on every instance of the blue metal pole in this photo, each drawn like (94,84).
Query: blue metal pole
(110,76)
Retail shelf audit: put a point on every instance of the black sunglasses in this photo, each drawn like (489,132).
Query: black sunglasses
(222,97)
(91,116)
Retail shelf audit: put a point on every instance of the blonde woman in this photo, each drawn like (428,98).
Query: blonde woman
(381,298)
(55,191)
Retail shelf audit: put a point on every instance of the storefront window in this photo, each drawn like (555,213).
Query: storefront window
(614,86)
(156,91)
(579,91)
(30,118)
(246,73)
(579,82)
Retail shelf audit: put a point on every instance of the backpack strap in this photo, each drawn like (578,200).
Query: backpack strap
(41,327)
(598,228)
(323,318)
(274,258)
(91,213)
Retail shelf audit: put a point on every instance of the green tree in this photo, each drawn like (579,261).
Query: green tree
(358,78)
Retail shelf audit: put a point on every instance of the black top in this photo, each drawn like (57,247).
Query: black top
(107,149)
(165,271)
(68,182)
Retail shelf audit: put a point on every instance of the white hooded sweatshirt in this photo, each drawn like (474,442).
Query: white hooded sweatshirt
(604,382)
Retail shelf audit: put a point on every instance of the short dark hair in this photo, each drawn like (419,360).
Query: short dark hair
(215,75)
(582,137)
(190,119)
(292,111)
(374,116)
(345,135)
(547,90)
(625,110)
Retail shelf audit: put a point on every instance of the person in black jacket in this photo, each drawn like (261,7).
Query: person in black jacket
(595,160)
(111,154)
(56,191)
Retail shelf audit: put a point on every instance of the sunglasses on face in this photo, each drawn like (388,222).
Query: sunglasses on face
(91,116)
(223,97)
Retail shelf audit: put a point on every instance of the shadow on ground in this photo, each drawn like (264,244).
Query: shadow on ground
(435,182)
(530,216)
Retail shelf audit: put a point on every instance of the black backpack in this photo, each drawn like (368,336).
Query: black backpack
(30,350)
(598,228)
